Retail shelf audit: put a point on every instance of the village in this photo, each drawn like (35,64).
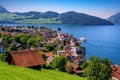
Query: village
(37,48)
(51,44)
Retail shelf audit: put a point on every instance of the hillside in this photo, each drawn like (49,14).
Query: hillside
(82,19)
(3,10)
(8,72)
(50,17)
(115,18)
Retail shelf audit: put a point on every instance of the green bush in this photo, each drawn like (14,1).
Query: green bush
(2,57)
(84,65)
(42,54)
(59,62)
(49,47)
(98,69)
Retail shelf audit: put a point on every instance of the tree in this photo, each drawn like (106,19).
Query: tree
(20,48)
(84,65)
(31,41)
(42,54)
(7,39)
(39,39)
(11,47)
(59,62)
(98,69)
(10,40)
(49,47)
(69,67)
(22,38)
(2,57)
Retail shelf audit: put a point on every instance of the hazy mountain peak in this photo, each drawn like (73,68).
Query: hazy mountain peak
(115,18)
(3,10)
(71,12)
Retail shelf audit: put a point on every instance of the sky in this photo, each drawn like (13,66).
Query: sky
(99,8)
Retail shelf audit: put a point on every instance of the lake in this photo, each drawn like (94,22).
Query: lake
(102,41)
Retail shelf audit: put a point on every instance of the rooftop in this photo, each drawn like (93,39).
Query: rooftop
(48,54)
(116,72)
(1,40)
(27,58)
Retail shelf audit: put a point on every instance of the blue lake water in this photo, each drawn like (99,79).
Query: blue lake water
(102,41)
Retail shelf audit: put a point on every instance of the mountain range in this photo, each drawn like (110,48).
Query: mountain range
(70,17)
(3,10)
(115,18)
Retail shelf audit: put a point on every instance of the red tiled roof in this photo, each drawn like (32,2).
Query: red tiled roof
(80,58)
(76,70)
(48,54)
(1,40)
(50,59)
(5,33)
(116,72)
(27,58)
(64,54)
(75,66)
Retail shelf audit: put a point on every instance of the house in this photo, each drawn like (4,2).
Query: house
(63,53)
(42,49)
(115,72)
(4,33)
(47,34)
(50,59)
(74,68)
(62,37)
(59,45)
(25,58)
(79,59)
(2,46)
(52,40)
(76,51)
(59,52)
(48,54)
(77,70)
(15,31)
(72,41)
(68,49)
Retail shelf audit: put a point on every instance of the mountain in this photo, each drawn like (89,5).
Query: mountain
(50,14)
(50,17)
(37,15)
(3,10)
(82,19)
(34,14)
(115,18)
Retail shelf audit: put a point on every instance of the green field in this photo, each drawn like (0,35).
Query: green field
(9,72)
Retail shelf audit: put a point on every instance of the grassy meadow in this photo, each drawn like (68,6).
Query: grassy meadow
(9,72)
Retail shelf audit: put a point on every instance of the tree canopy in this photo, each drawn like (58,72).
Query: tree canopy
(59,62)
(98,69)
